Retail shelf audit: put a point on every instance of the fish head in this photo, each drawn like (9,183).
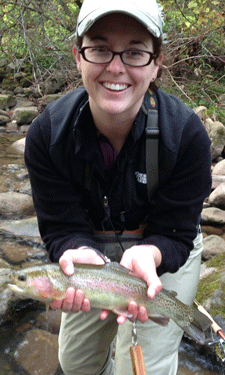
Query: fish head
(32,283)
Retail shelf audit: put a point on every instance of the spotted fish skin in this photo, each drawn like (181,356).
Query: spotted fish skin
(112,287)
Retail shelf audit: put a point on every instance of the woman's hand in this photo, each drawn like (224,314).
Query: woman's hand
(142,260)
(75,300)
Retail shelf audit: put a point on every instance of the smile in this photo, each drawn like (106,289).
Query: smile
(115,87)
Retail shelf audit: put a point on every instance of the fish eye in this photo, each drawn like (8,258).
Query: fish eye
(22,277)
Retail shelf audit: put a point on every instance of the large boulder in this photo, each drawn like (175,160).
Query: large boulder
(25,115)
(213,245)
(7,101)
(216,132)
(217,197)
(14,204)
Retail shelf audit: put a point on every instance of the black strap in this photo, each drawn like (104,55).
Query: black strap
(152,146)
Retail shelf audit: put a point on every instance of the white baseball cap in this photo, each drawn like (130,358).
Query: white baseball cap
(147,12)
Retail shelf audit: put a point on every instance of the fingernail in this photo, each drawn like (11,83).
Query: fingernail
(69,270)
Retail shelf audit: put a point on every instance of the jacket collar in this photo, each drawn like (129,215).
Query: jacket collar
(85,131)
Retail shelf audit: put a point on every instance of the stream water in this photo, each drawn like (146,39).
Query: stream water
(193,359)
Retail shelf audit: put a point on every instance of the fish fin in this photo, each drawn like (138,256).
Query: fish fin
(172,292)
(117,267)
(122,312)
(199,323)
(161,320)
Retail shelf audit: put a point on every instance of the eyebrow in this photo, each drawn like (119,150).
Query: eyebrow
(104,39)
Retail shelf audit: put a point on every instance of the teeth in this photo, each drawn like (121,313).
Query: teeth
(115,87)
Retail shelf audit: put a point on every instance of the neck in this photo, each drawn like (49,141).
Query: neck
(115,128)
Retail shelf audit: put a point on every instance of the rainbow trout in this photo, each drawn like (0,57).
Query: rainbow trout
(110,287)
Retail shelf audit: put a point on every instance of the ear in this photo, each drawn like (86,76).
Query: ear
(157,64)
(76,54)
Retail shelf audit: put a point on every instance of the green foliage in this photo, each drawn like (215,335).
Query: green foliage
(40,33)
(37,30)
(194,52)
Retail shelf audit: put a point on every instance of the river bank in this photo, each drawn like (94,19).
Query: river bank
(27,345)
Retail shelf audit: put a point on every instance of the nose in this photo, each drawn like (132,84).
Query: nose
(116,66)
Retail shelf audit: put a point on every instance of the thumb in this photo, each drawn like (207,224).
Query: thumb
(155,286)
(67,265)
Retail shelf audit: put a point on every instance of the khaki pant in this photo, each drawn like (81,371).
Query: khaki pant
(85,342)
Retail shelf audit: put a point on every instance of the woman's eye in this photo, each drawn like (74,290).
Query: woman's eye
(134,53)
(100,50)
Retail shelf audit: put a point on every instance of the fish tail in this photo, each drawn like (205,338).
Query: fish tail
(198,324)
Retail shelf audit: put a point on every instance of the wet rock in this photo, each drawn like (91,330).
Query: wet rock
(215,300)
(22,101)
(213,245)
(38,353)
(16,252)
(23,175)
(6,296)
(217,180)
(211,288)
(4,117)
(213,215)
(217,197)
(54,83)
(219,168)
(216,132)
(24,128)
(49,320)
(26,227)
(19,145)
(201,111)
(204,271)
(24,187)
(19,90)
(25,115)
(7,101)
(209,229)
(4,264)
(45,100)
(11,126)
(14,204)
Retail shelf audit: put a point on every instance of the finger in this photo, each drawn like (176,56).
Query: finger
(68,300)
(86,305)
(104,314)
(154,288)
(121,319)
(66,264)
(132,311)
(142,314)
(78,300)
(56,304)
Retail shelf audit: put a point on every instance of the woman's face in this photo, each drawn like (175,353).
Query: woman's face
(116,88)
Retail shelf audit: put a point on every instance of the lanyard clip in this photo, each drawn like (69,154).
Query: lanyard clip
(134,335)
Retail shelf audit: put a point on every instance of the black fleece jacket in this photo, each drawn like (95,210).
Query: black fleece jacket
(69,183)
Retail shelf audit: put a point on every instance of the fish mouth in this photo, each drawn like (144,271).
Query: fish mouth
(15,288)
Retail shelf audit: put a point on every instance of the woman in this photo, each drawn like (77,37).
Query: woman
(86,159)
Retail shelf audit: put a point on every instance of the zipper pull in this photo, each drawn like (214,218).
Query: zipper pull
(106,207)
(106,202)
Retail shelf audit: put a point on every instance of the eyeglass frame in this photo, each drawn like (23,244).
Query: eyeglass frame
(152,56)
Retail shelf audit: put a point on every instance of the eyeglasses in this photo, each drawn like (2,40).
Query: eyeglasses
(103,55)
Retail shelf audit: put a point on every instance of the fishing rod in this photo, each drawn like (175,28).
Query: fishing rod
(219,344)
